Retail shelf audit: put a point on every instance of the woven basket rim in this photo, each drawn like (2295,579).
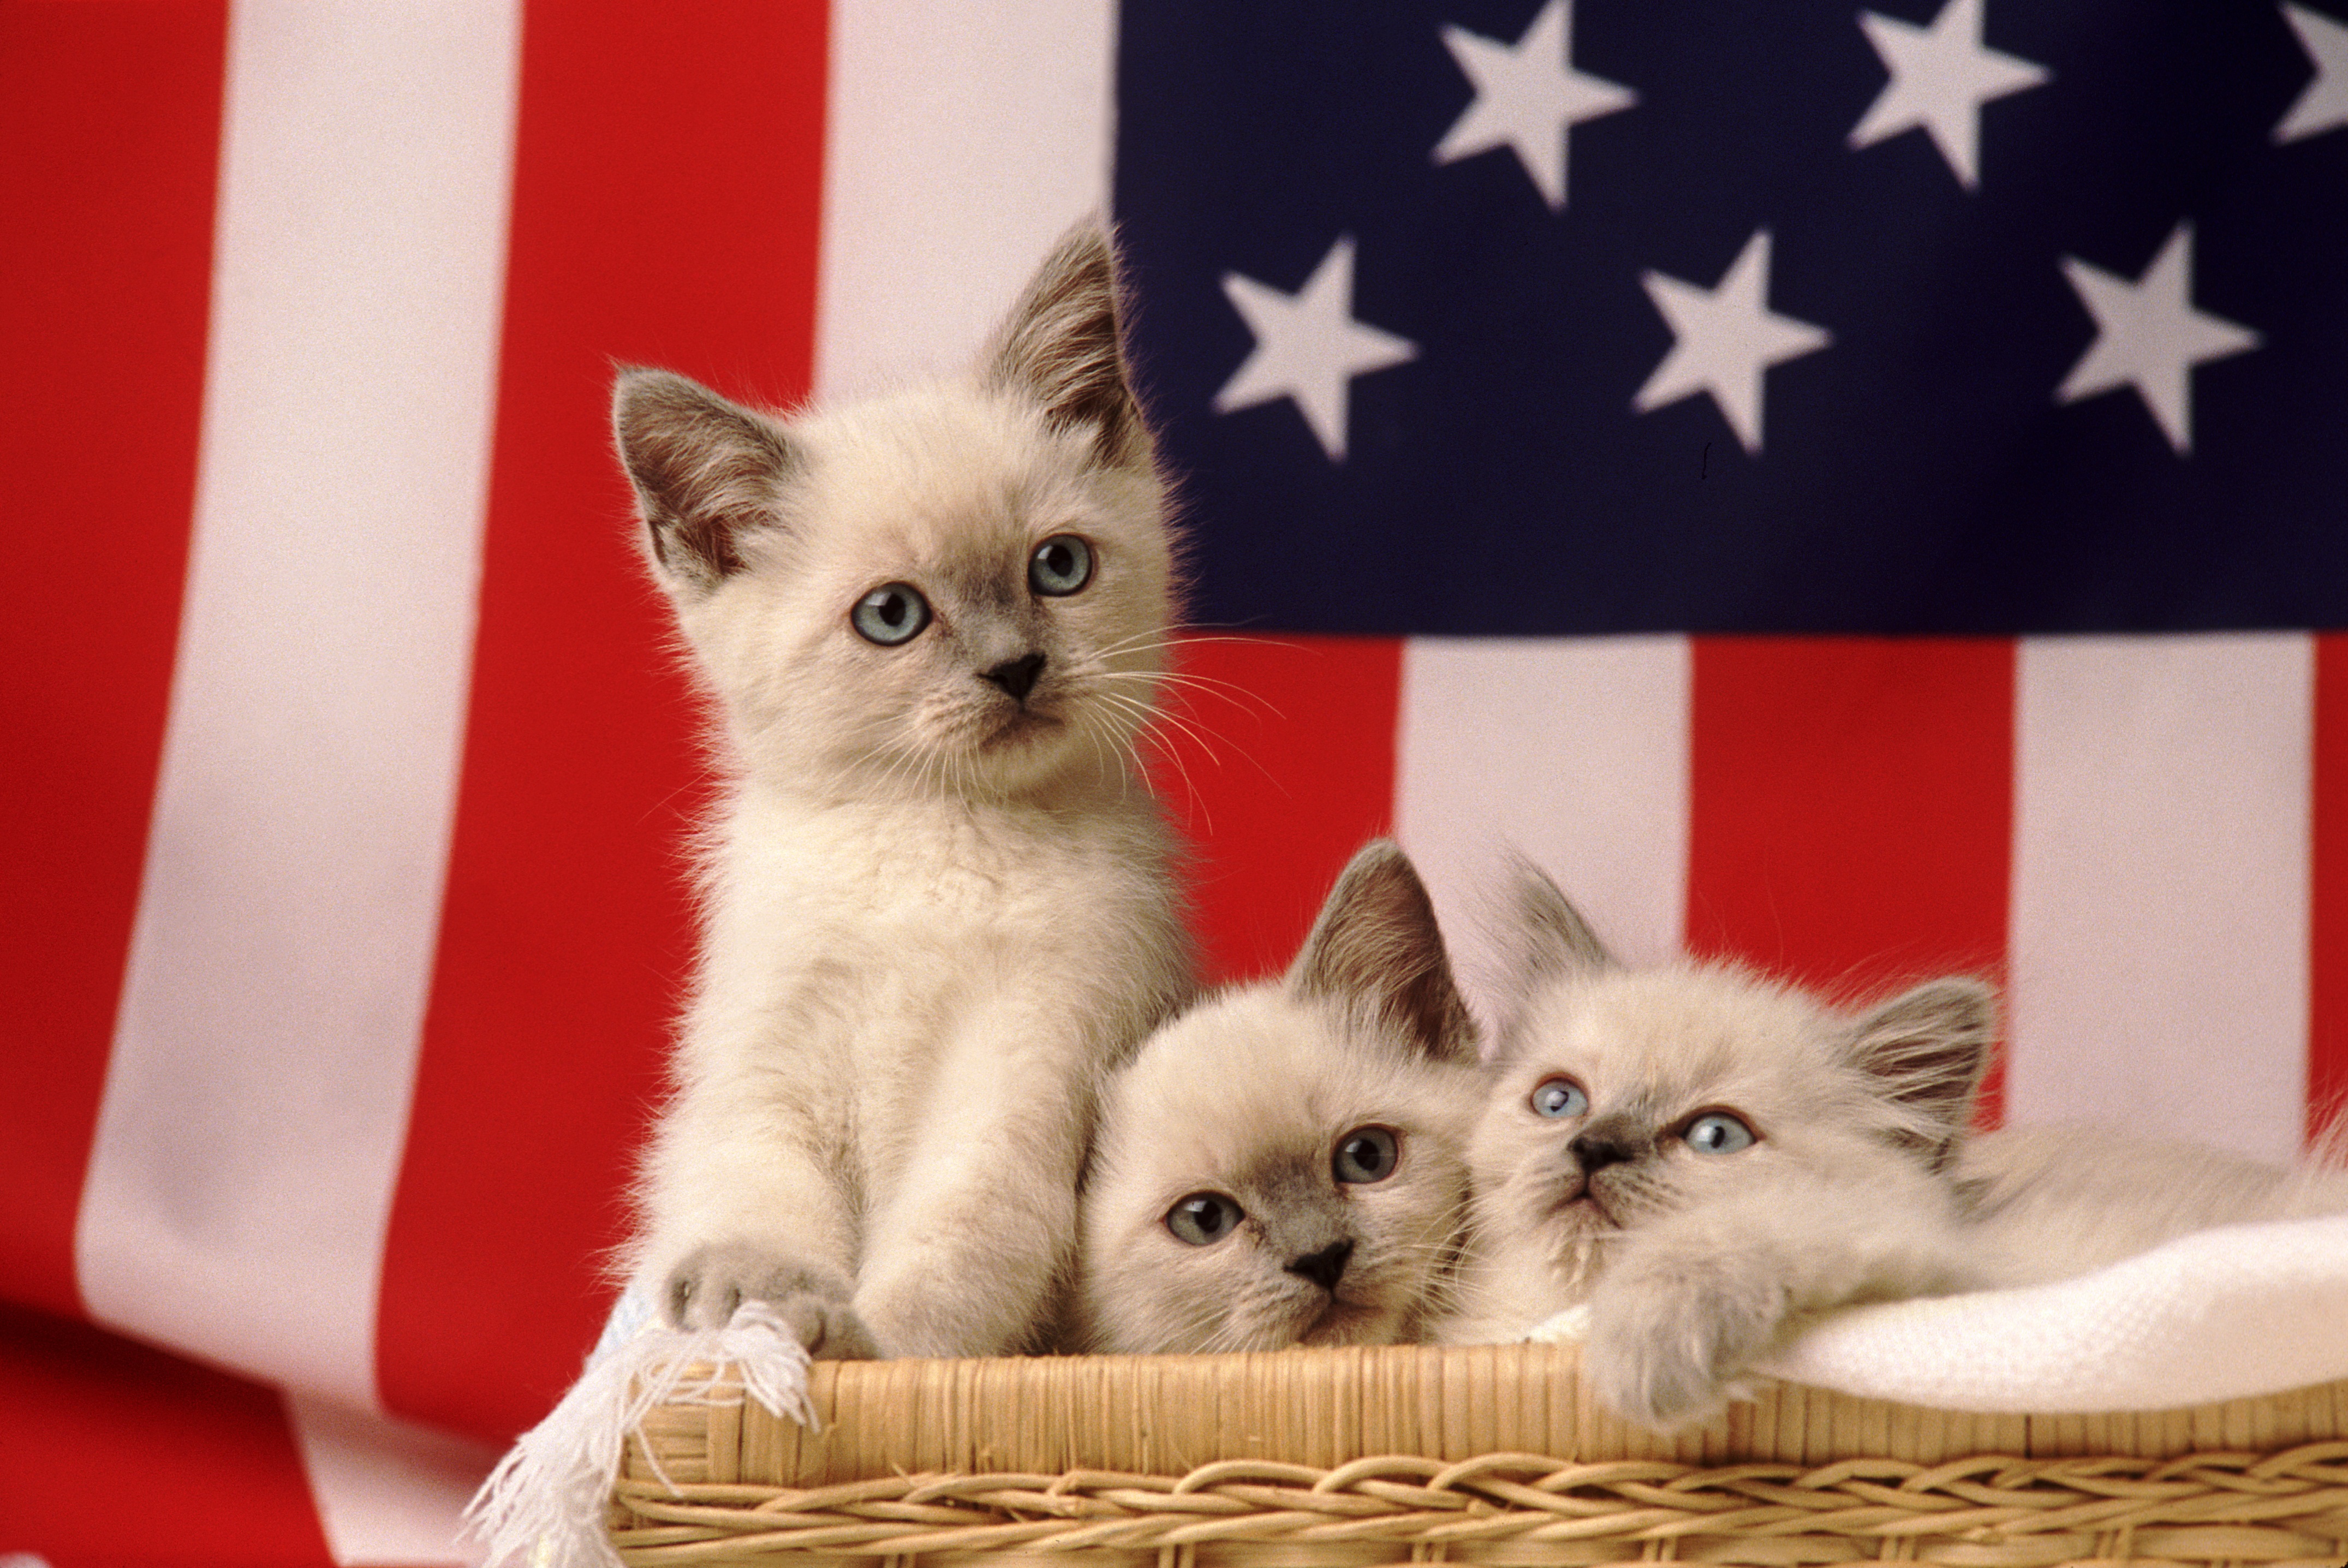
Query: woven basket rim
(1984,1512)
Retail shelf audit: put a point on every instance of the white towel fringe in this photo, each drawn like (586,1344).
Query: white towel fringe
(544,1506)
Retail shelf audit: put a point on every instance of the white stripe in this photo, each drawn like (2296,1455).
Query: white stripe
(257,1095)
(387,1493)
(2159,949)
(962,137)
(1573,751)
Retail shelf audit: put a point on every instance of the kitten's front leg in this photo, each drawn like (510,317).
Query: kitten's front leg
(1685,1306)
(705,1288)
(741,1208)
(979,1228)
(1672,1329)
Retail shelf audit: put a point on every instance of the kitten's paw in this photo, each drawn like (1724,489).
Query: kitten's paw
(1666,1352)
(703,1290)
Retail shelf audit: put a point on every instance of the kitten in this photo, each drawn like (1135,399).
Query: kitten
(938,908)
(1284,1164)
(1703,1156)
(2048,1202)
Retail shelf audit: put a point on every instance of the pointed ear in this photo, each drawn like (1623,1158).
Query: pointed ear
(1060,346)
(705,471)
(1926,1050)
(1376,941)
(1552,941)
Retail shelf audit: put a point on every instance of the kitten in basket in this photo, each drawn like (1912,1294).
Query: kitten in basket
(1286,1163)
(1700,1156)
(937,903)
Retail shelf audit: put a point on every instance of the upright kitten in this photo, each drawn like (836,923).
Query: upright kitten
(937,903)
(1284,1164)
(1705,1155)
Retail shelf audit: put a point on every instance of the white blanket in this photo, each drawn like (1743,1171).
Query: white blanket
(2228,1313)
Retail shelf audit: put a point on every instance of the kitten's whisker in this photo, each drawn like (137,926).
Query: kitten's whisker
(1173,675)
(1193,723)
(1183,637)
(1237,695)
(1140,642)
(1191,731)
(1196,800)
(1102,762)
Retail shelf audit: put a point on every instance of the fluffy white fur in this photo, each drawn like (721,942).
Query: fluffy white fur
(1861,1182)
(1252,1097)
(937,906)
(2048,1202)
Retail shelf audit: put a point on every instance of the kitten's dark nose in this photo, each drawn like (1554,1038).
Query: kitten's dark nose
(1325,1267)
(1017,677)
(1598,1150)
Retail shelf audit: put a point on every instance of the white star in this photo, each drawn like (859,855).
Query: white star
(2149,336)
(1941,75)
(1723,338)
(2323,106)
(1528,97)
(1308,346)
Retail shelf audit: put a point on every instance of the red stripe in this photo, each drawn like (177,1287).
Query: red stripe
(665,211)
(1850,807)
(1282,762)
(112,1453)
(109,144)
(2327,1033)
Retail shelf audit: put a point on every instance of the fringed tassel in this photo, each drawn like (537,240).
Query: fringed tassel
(544,1506)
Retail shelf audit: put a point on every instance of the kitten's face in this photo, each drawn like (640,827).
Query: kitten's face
(961,598)
(1276,1171)
(1626,1097)
(963,589)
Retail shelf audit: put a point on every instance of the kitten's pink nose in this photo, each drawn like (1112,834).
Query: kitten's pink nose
(1325,1267)
(1017,677)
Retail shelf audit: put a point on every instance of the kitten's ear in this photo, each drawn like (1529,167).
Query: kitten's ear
(1060,346)
(1927,1049)
(1553,941)
(1376,941)
(705,471)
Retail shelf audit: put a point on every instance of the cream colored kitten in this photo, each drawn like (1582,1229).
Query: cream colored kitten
(937,903)
(1705,1155)
(1285,1164)
(2047,1203)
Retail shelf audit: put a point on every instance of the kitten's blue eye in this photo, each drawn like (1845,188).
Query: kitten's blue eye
(1060,565)
(1559,1098)
(1202,1219)
(891,613)
(1718,1133)
(1366,1154)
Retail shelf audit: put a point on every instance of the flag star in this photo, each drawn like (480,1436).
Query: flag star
(2149,336)
(1724,338)
(2323,106)
(1308,346)
(1528,97)
(1941,75)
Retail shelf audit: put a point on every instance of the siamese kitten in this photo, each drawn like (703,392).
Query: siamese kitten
(1703,1156)
(2048,1202)
(937,904)
(1285,1163)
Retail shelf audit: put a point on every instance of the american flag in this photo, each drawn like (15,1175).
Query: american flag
(1852,487)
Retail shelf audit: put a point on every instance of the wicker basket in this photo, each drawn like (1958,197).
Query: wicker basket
(1487,1454)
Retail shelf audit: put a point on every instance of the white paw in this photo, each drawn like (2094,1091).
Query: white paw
(703,1290)
(1666,1352)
